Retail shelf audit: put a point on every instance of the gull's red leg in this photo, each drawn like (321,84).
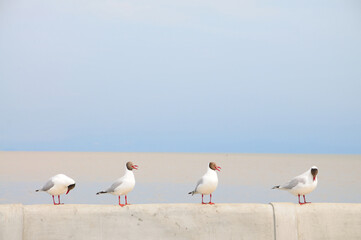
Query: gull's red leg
(59,200)
(126,200)
(299,201)
(210,199)
(54,200)
(202,200)
(304,199)
(122,205)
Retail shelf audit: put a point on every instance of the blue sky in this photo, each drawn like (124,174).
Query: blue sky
(180,76)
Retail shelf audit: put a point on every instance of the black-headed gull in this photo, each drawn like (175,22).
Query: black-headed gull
(123,185)
(58,185)
(208,183)
(302,184)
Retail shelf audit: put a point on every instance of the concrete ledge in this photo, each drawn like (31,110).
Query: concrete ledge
(11,222)
(285,219)
(280,221)
(329,221)
(317,221)
(153,221)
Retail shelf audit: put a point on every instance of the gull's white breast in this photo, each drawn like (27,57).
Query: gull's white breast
(209,183)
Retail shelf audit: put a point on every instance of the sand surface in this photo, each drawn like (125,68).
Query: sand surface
(168,177)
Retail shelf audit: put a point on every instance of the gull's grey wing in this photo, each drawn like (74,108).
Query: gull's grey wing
(49,184)
(293,183)
(200,181)
(116,184)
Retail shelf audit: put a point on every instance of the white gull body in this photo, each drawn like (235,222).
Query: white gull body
(302,184)
(208,183)
(123,185)
(57,185)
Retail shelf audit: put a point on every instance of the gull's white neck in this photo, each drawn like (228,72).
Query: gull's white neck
(211,172)
(128,172)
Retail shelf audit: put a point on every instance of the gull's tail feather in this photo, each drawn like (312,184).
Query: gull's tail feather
(101,192)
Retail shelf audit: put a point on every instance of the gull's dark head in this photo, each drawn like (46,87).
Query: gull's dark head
(70,187)
(314,172)
(213,166)
(131,166)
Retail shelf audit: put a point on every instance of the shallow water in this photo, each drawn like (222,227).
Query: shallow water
(167,178)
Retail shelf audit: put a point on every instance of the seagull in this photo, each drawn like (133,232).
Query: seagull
(302,184)
(123,185)
(57,185)
(208,183)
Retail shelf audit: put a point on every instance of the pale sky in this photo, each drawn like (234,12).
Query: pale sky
(180,76)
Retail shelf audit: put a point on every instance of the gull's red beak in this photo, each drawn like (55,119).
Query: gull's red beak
(67,191)
(135,167)
(314,178)
(218,168)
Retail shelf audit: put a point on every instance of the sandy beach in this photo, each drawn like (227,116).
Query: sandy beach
(167,177)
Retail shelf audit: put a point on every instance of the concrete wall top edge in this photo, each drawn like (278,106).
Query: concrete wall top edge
(274,221)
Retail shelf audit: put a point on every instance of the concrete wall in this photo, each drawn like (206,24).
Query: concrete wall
(11,222)
(317,221)
(283,221)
